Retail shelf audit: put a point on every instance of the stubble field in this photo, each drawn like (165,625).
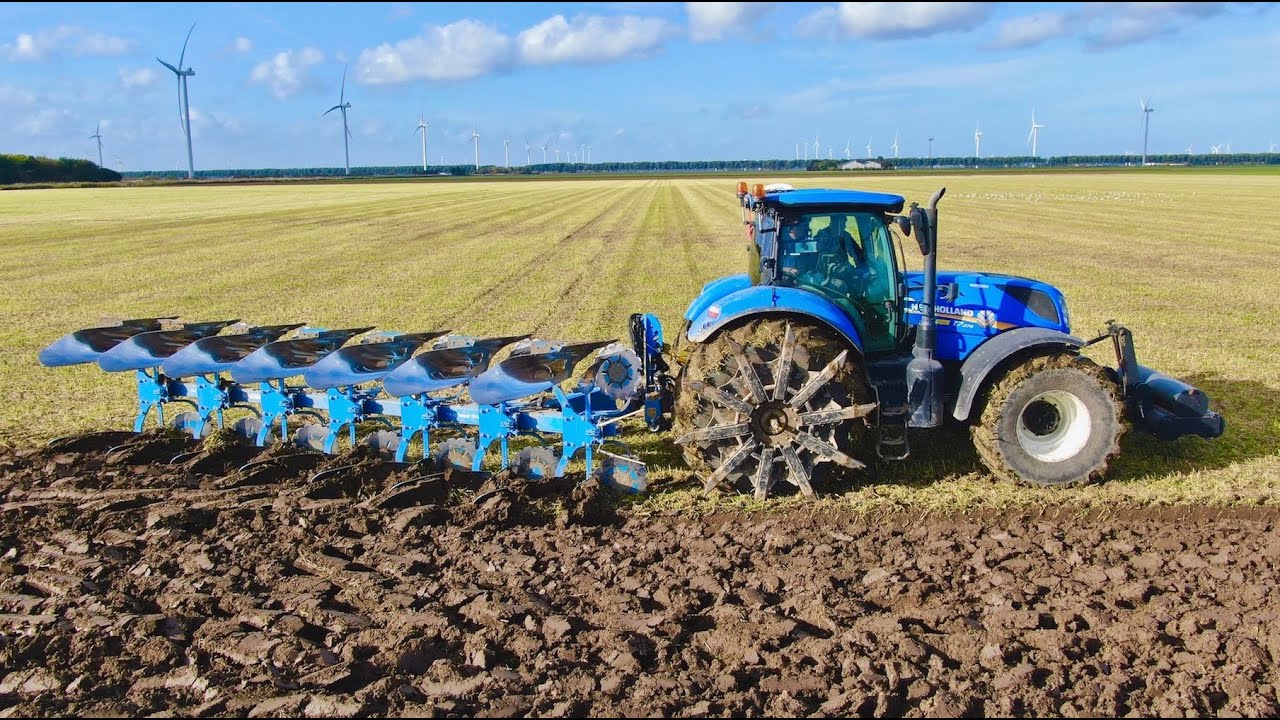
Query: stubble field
(1186,260)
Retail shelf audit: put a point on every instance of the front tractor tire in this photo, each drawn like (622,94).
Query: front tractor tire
(771,401)
(1054,420)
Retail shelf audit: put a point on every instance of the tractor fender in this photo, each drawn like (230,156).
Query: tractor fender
(771,300)
(992,353)
(715,290)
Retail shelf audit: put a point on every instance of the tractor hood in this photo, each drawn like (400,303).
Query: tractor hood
(986,304)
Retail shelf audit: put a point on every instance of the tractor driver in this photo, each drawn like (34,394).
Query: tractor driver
(798,251)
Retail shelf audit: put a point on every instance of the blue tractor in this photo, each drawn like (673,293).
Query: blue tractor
(824,353)
(827,349)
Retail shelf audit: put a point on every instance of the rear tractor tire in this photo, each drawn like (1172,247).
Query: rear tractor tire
(1054,420)
(771,401)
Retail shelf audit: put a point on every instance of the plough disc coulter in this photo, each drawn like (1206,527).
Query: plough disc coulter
(326,386)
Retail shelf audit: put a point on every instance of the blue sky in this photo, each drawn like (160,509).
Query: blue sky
(635,81)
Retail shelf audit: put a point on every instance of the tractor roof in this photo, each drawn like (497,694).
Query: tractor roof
(859,199)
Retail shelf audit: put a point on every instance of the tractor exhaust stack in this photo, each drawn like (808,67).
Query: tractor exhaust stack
(924,372)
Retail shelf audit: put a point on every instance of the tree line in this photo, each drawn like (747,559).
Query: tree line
(33,169)
(658,166)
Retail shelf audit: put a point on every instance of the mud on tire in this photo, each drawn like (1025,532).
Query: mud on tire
(713,363)
(1054,420)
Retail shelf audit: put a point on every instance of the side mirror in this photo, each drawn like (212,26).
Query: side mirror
(904,223)
(920,223)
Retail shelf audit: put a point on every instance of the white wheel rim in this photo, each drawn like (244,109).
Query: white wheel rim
(1054,426)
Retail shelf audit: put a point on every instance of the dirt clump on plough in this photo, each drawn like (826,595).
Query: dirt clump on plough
(341,586)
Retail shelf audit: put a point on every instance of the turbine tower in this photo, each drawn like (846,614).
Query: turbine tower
(817,149)
(588,154)
(1034,136)
(847,154)
(1146,122)
(582,153)
(475,140)
(544,151)
(343,106)
(805,145)
(868,148)
(184,100)
(506,152)
(97,134)
(528,152)
(1189,152)
(1271,146)
(930,147)
(977,141)
(422,127)
(895,144)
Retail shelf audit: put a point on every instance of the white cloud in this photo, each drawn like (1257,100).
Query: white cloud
(287,72)
(62,40)
(458,51)
(15,98)
(470,49)
(889,20)
(1031,30)
(45,122)
(590,39)
(1110,25)
(710,21)
(102,44)
(243,44)
(139,78)
(857,90)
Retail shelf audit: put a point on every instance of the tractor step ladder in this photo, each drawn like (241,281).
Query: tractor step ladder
(891,426)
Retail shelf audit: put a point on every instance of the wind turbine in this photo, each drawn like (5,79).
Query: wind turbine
(588,154)
(977,140)
(343,106)
(582,153)
(1034,136)
(1271,146)
(847,154)
(528,152)
(817,149)
(506,152)
(868,148)
(1215,149)
(184,100)
(475,140)
(97,133)
(1189,152)
(805,144)
(557,151)
(544,151)
(930,147)
(422,127)
(895,144)
(1146,122)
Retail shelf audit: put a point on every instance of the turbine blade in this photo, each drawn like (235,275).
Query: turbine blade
(326,112)
(174,69)
(184,45)
(342,94)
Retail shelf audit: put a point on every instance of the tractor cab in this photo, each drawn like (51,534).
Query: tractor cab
(835,243)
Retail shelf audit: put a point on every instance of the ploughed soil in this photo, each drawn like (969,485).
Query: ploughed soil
(343,586)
